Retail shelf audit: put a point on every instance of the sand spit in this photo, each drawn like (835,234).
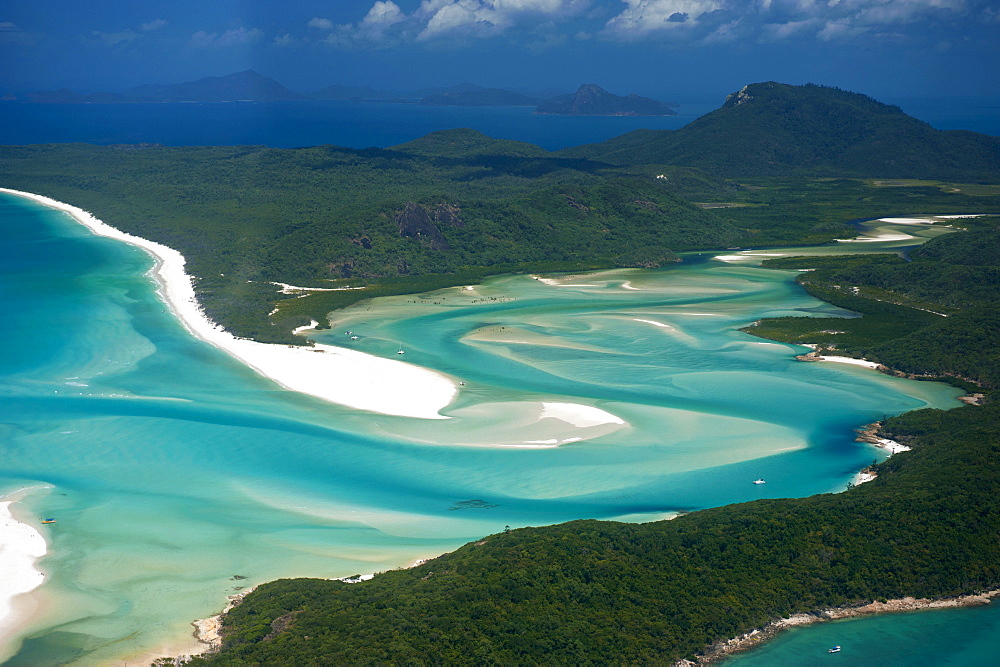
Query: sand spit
(581,416)
(21,547)
(815,356)
(334,374)
(759,636)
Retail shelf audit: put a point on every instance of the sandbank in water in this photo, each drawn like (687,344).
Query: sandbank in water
(21,547)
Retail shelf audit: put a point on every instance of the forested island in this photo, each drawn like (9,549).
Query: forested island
(776,165)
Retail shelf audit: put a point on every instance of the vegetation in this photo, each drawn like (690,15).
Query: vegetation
(774,129)
(454,203)
(595,592)
(246,217)
(935,314)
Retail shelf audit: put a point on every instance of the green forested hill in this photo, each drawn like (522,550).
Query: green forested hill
(466,143)
(451,203)
(774,129)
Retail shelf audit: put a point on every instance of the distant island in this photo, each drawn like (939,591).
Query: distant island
(592,100)
(251,86)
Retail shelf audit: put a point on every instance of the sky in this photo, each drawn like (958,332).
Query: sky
(675,50)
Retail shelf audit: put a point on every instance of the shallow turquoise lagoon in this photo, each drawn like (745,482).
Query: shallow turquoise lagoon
(179,476)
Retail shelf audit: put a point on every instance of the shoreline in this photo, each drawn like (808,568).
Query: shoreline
(338,375)
(756,637)
(816,356)
(208,631)
(22,545)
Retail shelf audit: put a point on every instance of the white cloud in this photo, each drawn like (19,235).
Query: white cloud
(113,39)
(284,40)
(153,25)
(488,17)
(642,17)
(384,14)
(771,20)
(694,21)
(234,37)
(321,23)
(126,36)
(10,34)
(726,32)
(779,31)
(840,29)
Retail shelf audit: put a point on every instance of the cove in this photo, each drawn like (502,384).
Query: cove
(179,476)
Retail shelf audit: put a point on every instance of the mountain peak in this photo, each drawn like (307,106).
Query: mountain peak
(812,95)
(773,128)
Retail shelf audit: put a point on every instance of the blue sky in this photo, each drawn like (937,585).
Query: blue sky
(672,49)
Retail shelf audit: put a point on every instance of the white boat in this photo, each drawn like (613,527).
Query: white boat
(835,649)
(400,352)
(759,481)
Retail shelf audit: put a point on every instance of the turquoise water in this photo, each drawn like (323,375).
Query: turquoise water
(179,476)
(968,636)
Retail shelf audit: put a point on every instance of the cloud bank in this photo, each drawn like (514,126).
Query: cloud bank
(682,21)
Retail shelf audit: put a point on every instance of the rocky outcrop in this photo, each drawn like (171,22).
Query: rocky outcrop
(421,223)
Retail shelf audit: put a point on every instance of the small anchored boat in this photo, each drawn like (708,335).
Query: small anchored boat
(835,649)
(49,520)
(759,481)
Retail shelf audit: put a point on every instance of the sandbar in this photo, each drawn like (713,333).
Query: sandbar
(850,360)
(885,236)
(21,546)
(578,415)
(342,376)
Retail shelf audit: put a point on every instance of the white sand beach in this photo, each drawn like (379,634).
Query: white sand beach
(850,360)
(885,236)
(891,446)
(21,546)
(746,256)
(334,374)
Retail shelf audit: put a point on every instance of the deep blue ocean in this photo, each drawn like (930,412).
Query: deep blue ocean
(174,469)
(363,125)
